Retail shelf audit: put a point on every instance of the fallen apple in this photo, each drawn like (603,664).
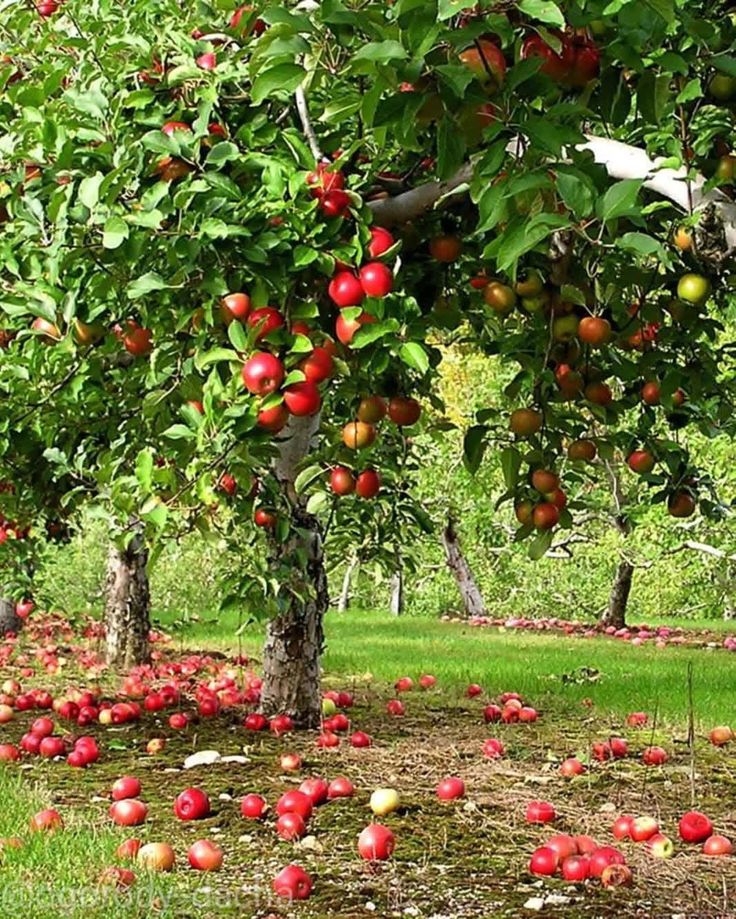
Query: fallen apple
(385,801)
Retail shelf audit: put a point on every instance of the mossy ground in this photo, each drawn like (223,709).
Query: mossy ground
(465,860)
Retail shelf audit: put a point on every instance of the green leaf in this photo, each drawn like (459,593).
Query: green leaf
(223,152)
(238,337)
(576,190)
(89,190)
(304,255)
(380,52)
(284,78)
(544,11)
(665,8)
(145,284)
(370,333)
(316,502)
(653,94)
(114,233)
(474,445)
(540,544)
(725,63)
(205,358)
(414,356)
(306,477)
(179,432)
(144,469)
(510,465)
(620,199)
(640,243)
(450,148)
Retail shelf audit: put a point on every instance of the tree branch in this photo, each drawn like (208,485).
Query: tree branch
(621,161)
(387,212)
(303,110)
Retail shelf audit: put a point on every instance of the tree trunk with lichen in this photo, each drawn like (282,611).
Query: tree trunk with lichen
(396,606)
(295,637)
(346,593)
(615,612)
(9,622)
(127,605)
(473,603)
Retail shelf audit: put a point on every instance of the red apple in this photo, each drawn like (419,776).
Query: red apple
(563,844)
(126,787)
(345,290)
(381,242)
(544,861)
(427,681)
(493,748)
(340,788)
(376,842)
(376,279)
(601,858)
(360,739)
(291,827)
(540,812)
(315,789)
(302,399)
(128,812)
(262,373)
(450,789)
(473,690)
(571,767)
(586,844)
(128,849)
(292,883)
(619,747)
(695,827)
(576,868)
(654,756)
(192,804)
(48,820)
(643,828)
(721,735)
(290,762)
(265,320)
(717,845)
(637,719)
(621,828)
(295,802)
(255,722)
(9,753)
(253,807)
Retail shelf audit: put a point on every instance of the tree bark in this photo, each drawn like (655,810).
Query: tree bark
(615,612)
(9,622)
(343,604)
(295,638)
(127,605)
(472,598)
(397,591)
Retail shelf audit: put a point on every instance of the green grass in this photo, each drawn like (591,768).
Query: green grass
(376,647)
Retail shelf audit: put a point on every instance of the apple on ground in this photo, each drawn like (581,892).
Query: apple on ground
(385,801)
(376,842)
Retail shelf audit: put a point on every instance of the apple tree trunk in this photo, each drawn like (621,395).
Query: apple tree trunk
(346,592)
(472,598)
(397,591)
(127,605)
(615,612)
(9,622)
(295,637)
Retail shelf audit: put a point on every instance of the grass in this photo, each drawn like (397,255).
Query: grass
(375,647)
(465,860)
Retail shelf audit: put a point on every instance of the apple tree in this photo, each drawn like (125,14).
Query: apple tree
(234,239)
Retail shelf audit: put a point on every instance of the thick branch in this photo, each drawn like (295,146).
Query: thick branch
(387,212)
(621,161)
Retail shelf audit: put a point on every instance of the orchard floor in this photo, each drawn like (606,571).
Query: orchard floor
(463,860)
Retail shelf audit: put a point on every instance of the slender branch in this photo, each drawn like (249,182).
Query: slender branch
(303,110)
